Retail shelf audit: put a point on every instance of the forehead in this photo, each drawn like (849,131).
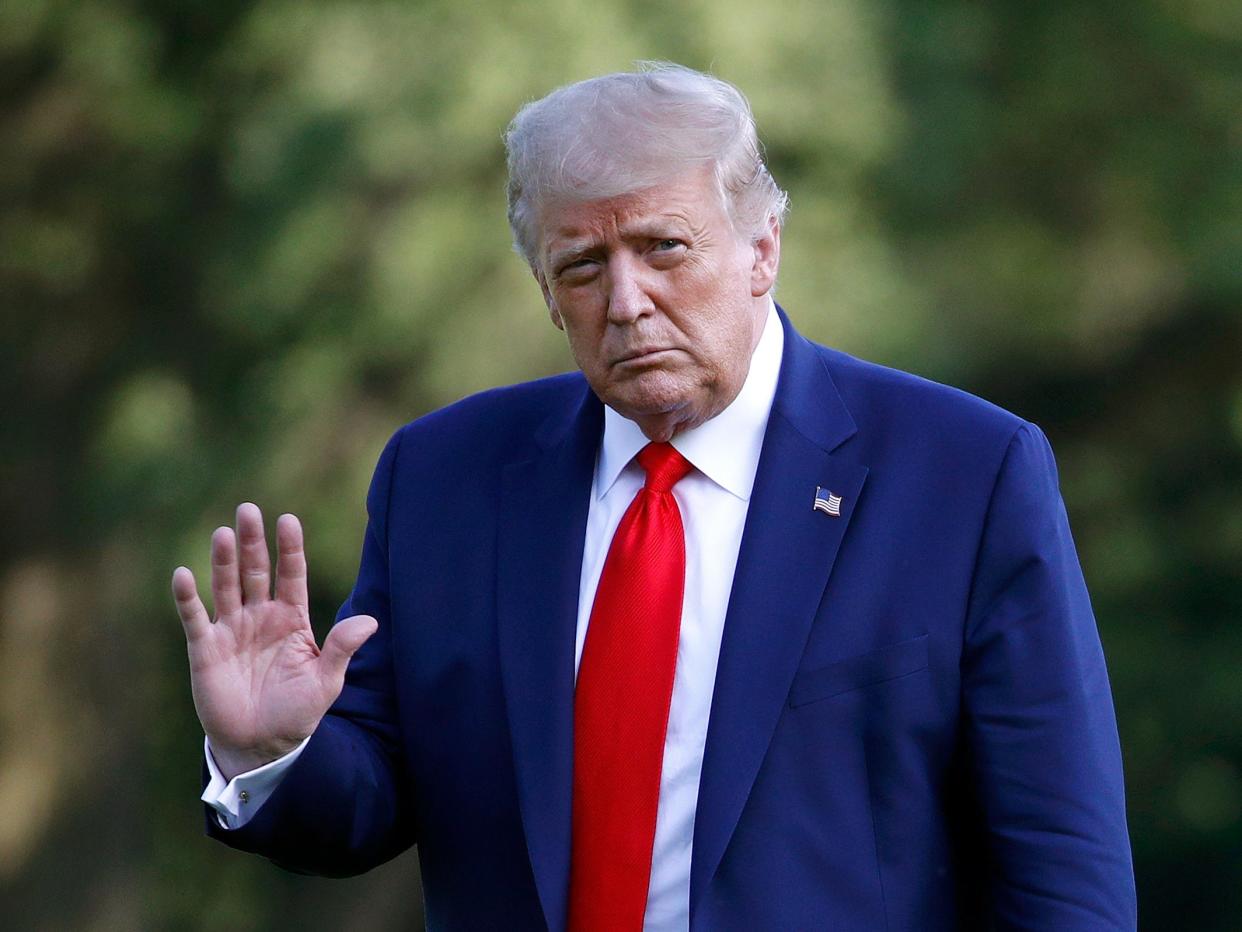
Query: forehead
(692,200)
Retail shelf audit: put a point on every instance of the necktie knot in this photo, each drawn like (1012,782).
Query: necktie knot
(664,466)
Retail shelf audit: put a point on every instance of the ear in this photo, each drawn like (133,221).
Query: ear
(767,249)
(548,299)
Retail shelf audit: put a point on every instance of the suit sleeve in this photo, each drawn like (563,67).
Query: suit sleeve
(344,806)
(1039,714)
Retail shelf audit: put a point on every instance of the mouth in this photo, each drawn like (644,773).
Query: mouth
(645,356)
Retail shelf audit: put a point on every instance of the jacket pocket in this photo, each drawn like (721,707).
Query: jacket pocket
(877,666)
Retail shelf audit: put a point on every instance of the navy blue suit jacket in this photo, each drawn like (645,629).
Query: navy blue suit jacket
(911,727)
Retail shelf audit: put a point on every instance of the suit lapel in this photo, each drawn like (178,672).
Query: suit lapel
(786,556)
(543,506)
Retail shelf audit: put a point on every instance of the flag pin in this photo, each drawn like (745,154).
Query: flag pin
(826,502)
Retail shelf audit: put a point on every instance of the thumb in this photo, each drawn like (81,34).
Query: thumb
(345,637)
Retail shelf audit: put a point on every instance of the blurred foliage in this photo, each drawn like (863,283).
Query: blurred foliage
(242,242)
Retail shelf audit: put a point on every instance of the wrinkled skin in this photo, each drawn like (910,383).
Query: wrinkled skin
(661,299)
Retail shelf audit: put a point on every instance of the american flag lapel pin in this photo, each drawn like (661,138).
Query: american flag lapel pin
(826,502)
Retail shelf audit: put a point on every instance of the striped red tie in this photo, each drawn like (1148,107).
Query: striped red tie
(625,684)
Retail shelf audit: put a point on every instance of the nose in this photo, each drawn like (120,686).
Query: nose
(628,290)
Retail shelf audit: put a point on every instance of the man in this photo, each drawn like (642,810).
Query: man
(728,631)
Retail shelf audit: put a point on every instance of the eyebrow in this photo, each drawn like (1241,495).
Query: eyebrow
(657,227)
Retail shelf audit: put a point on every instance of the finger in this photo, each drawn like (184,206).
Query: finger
(341,644)
(253,561)
(225,584)
(290,562)
(194,617)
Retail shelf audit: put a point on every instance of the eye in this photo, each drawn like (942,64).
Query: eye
(577,270)
(666,253)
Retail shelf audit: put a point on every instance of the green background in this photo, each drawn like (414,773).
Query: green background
(241,243)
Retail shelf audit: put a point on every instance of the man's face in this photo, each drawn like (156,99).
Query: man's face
(662,301)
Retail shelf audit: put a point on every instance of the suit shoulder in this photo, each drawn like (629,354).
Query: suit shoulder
(911,406)
(498,419)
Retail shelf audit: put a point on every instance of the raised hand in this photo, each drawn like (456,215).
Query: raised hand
(260,682)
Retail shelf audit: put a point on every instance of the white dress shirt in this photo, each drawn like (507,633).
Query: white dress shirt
(713,499)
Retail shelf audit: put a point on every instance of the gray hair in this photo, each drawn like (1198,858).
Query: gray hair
(623,132)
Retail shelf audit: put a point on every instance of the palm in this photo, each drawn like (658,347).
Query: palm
(260,682)
(254,675)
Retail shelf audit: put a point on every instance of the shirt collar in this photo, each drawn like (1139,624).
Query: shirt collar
(725,448)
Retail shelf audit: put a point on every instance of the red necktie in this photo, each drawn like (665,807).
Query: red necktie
(625,684)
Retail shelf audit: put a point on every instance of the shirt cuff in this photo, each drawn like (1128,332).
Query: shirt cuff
(236,801)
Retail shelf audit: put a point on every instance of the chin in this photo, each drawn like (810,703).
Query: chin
(654,395)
